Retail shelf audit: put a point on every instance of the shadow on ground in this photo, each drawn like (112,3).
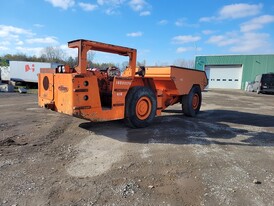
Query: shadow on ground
(209,127)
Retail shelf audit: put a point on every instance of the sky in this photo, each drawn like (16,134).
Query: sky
(162,31)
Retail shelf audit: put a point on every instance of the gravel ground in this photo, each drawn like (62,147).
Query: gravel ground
(224,156)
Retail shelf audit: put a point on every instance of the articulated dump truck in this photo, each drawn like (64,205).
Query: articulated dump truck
(137,95)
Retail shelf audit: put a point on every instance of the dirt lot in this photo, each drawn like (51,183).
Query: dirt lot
(225,156)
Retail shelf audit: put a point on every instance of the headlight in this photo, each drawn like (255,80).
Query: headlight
(63,69)
(60,69)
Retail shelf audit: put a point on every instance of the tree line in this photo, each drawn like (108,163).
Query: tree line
(48,54)
(56,54)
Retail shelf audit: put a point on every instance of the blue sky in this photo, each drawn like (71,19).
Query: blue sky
(162,31)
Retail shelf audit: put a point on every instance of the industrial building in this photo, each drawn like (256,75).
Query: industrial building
(234,71)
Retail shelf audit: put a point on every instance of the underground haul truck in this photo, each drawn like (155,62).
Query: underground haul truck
(137,95)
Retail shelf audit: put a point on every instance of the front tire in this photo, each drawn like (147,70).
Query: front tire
(191,103)
(141,107)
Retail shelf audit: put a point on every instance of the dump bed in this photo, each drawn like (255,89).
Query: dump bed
(179,79)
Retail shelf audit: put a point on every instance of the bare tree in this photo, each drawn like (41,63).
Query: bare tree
(90,57)
(184,63)
(53,54)
(142,63)
(72,62)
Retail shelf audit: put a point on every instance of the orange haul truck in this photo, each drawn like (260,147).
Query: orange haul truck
(137,95)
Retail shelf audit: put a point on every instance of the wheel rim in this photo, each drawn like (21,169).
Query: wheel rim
(143,108)
(195,101)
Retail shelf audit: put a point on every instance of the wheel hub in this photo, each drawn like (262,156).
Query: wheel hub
(195,101)
(143,108)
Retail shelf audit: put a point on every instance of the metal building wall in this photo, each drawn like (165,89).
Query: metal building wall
(252,64)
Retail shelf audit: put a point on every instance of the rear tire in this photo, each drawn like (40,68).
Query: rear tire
(191,103)
(140,107)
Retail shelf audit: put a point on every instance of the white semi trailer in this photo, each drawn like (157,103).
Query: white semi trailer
(24,71)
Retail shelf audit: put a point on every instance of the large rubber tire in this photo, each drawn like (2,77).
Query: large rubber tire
(141,107)
(191,103)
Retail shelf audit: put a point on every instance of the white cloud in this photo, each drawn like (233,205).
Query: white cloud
(3,48)
(221,40)
(110,2)
(11,31)
(15,39)
(87,6)
(242,42)
(100,2)
(186,49)
(135,34)
(185,39)
(235,11)
(29,50)
(69,51)
(183,22)
(112,11)
(140,6)
(208,32)
(145,13)
(137,5)
(207,19)
(163,22)
(257,23)
(38,25)
(180,22)
(111,6)
(46,40)
(4,43)
(181,49)
(252,43)
(63,4)
(19,42)
(216,39)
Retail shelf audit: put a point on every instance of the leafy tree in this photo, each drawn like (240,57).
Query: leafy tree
(4,62)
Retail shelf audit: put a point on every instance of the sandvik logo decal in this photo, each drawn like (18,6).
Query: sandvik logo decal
(63,88)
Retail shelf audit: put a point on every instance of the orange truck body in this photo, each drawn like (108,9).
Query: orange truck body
(106,95)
